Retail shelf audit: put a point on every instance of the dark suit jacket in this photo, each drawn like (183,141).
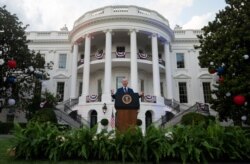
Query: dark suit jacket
(121,91)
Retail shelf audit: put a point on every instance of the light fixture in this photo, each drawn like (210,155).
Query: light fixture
(104,108)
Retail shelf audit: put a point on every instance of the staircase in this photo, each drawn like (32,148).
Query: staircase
(65,114)
(198,107)
(169,103)
(170,119)
(64,118)
(173,104)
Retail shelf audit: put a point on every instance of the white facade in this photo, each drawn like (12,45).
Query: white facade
(130,29)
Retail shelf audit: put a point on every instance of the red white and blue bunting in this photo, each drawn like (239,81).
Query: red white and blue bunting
(149,98)
(92,98)
(120,54)
(142,56)
(99,55)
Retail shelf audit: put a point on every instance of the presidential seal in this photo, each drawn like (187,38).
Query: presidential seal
(126,99)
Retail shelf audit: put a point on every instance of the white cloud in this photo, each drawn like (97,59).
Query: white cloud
(197,22)
(170,9)
(53,14)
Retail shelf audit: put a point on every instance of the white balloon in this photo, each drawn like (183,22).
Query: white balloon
(228,94)
(211,63)
(11,102)
(246,56)
(31,68)
(1,61)
(243,118)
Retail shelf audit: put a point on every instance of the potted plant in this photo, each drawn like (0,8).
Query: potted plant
(104,122)
(138,122)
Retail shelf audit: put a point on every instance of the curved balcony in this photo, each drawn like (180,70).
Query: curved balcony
(119,57)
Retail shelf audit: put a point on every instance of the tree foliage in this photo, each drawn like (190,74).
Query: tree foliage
(22,81)
(225,47)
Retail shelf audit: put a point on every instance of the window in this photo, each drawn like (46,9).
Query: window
(60,91)
(62,61)
(206,91)
(119,81)
(183,92)
(180,60)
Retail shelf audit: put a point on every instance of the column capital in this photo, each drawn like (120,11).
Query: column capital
(154,35)
(166,42)
(133,30)
(87,36)
(107,30)
(76,43)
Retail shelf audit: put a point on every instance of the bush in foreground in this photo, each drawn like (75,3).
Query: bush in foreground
(196,143)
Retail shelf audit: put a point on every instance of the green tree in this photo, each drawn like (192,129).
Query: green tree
(225,48)
(21,70)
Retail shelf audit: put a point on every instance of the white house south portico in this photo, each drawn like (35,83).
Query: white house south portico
(113,42)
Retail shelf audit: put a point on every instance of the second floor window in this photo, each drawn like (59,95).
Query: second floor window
(180,60)
(62,61)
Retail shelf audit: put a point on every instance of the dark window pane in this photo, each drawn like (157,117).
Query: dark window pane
(206,91)
(183,92)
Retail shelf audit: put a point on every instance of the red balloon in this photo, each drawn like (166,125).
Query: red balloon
(11,64)
(239,100)
(211,70)
(221,79)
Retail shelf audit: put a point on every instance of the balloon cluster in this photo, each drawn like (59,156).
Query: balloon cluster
(11,74)
(220,71)
(238,100)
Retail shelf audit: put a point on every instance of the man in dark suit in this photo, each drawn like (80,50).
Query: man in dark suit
(123,89)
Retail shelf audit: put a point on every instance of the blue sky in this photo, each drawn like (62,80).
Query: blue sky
(51,15)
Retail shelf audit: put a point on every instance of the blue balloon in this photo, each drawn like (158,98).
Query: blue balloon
(220,70)
(11,79)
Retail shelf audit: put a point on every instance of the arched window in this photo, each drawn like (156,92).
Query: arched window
(93,118)
(148,118)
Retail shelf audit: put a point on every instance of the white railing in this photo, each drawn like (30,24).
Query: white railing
(97,12)
(115,10)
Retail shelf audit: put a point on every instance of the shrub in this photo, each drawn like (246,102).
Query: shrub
(44,115)
(138,122)
(104,122)
(192,118)
(182,143)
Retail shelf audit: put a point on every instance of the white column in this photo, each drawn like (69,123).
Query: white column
(133,61)
(156,72)
(74,72)
(106,97)
(168,71)
(86,69)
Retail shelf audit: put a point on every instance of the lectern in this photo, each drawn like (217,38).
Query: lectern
(126,105)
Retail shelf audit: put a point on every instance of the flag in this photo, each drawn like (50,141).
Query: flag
(112,121)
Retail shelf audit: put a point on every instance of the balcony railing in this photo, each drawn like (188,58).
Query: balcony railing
(121,55)
(94,98)
(148,99)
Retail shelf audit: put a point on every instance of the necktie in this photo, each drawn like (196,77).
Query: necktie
(125,90)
